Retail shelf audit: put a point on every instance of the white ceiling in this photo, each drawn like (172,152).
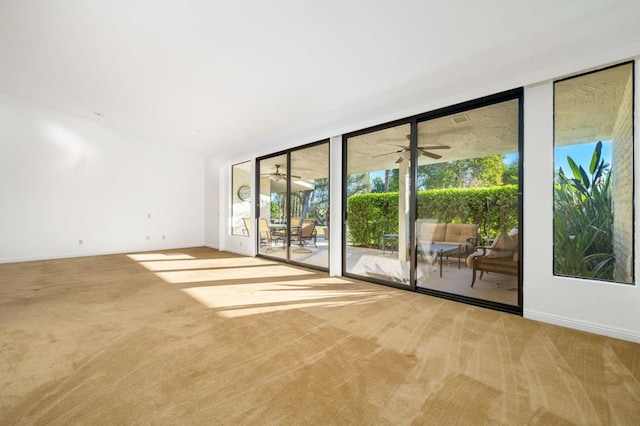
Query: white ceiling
(234,78)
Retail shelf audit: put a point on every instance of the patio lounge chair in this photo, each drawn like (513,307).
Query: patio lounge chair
(501,257)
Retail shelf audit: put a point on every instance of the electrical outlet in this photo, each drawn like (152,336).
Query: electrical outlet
(148,237)
(80,242)
(163,237)
(148,215)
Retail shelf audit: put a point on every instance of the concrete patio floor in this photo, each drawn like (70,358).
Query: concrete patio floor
(493,287)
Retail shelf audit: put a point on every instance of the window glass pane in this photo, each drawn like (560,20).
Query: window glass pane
(593,176)
(378,193)
(272,220)
(309,201)
(240,198)
(467,223)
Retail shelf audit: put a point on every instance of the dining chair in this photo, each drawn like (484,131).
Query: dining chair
(266,236)
(308,231)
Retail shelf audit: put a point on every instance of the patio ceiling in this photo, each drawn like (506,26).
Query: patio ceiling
(308,163)
(480,132)
(599,96)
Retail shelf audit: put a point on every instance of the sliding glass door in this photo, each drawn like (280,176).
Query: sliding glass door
(293,210)
(433,202)
(377,199)
(272,207)
(309,206)
(467,216)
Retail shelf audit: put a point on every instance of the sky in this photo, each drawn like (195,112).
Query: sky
(581,154)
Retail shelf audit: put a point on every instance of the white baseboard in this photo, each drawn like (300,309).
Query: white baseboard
(588,326)
(238,251)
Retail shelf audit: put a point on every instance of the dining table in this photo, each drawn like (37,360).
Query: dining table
(281,229)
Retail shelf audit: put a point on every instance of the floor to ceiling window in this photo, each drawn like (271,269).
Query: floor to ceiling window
(293,210)
(240,198)
(433,202)
(593,176)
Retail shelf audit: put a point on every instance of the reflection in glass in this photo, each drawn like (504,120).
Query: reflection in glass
(467,203)
(241,198)
(309,201)
(593,175)
(378,190)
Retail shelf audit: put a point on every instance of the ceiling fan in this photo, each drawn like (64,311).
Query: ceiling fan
(405,152)
(278,176)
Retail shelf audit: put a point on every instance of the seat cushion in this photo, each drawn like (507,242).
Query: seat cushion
(460,232)
(432,232)
(503,265)
(503,246)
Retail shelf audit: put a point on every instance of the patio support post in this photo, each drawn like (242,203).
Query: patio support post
(403,211)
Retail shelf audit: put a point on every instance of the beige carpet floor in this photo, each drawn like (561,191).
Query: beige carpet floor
(196,336)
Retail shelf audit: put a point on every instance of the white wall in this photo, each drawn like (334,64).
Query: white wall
(65,179)
(598,307)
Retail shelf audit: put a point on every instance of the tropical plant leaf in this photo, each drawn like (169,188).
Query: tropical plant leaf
(595,158)
(578,184)
(604,260)
(585,177)
(574,168)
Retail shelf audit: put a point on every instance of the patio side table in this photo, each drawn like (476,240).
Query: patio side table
(389,241)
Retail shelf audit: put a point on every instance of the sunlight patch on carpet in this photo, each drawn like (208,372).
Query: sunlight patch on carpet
(176,265)
(142,257)
(250,299)
(204,275)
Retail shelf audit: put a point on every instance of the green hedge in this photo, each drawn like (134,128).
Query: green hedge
(494,209)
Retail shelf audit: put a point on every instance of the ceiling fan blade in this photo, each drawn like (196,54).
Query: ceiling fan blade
(388,153)
(434,147)
(431,155)
(399,160)
(280,176)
